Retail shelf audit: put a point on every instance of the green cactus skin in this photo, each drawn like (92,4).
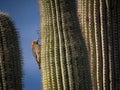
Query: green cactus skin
(100,24)
(10,55)
(64,58)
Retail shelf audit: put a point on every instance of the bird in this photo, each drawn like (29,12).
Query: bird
(36,50)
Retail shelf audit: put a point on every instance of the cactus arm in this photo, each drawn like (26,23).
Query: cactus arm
(10,55)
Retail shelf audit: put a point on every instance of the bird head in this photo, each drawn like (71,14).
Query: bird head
(35,42)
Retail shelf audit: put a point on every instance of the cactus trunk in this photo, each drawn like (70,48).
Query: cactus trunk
(10,55)
(64,59)
(80,52)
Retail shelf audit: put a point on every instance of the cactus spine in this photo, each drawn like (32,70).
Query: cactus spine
(102,39)
(10,55)
(64,61)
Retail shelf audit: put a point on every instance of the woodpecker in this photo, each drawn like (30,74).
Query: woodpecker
(36,50)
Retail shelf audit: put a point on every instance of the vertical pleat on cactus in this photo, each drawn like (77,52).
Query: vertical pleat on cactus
(98,46)
(10,55)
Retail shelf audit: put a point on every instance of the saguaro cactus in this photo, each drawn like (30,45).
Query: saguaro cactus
(10,55)
(64,59)
(100,22)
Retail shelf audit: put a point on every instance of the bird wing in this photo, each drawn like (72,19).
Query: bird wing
(34,53)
